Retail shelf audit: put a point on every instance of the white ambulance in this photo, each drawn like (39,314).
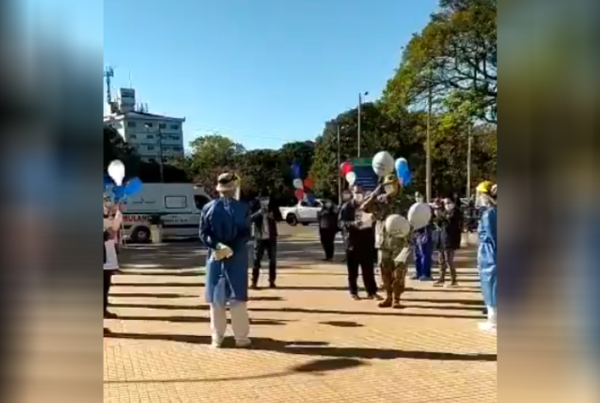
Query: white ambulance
(177,204)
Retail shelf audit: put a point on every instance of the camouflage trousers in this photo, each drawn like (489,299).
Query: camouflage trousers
(393,274)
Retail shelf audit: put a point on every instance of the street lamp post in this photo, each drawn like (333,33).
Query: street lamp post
(360,95)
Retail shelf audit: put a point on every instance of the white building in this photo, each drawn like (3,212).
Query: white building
(152,136)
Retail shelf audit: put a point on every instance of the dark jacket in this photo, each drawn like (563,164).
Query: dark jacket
(258,221)
(449,229)
(354,237)
(328,219)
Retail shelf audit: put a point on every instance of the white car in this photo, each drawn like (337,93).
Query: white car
(304,212)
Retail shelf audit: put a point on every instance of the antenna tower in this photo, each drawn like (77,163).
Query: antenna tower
(109,73)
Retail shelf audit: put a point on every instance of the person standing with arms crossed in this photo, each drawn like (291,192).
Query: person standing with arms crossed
(359,239)
(448,222)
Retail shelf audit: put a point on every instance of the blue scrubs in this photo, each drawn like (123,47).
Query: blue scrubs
(423,252)
(487,255)
(226,221)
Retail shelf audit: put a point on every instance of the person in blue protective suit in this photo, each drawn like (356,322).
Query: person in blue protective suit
(422,239)
(225,230)
(487,254)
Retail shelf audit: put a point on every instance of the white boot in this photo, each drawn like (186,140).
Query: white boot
(492,321)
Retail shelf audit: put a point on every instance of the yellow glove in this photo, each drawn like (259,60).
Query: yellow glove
(222,252)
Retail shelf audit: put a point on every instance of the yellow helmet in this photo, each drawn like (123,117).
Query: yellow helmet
(485,187)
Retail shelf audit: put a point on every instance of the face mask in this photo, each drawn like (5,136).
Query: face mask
(389,189)
(359,197)
(346,196)
(264,202)
(482,201)
(449,207)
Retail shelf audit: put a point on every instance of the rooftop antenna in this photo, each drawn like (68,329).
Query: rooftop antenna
(130,86)
(109,73)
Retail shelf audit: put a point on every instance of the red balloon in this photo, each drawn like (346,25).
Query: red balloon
(299,194)
(346,167)
(308,183)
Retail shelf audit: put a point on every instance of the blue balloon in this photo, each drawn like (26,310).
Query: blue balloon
(107,181)
(118,193)
(133,186)
(310,197)
(402,171)
(295,170)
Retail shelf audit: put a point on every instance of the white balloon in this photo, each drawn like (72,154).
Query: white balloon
(419,215)
(116,170)
(298,183)
(397,226)
(383,163)
(351,178)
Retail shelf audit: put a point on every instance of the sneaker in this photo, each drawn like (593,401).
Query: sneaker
(487,326)
(397,305)
(425,278)
(439,283)
(385,304)
(254,286)
(414,277)
(217,342)
(272,285)
(245,343)
(376,297)
(452,285)
(355,297)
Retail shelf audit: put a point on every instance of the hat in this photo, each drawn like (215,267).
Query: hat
(226,182)
(389,179)
(485,187)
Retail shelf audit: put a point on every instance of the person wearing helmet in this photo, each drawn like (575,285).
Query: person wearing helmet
(392,250)
(487,252)
(359,239)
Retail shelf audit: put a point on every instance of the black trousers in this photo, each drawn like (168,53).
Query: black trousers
(107,281)
(260,246)
(361,258)
(328,241)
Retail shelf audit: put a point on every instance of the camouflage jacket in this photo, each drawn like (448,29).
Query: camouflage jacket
(382,207)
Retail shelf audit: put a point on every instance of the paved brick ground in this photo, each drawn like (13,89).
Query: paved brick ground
(312,343)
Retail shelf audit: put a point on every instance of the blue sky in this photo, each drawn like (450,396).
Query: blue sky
(262,72)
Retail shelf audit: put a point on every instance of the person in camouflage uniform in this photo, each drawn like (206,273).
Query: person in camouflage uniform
(392,251)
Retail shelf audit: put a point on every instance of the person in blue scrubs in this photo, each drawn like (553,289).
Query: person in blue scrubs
(225,230)
(487,253)
(423,245)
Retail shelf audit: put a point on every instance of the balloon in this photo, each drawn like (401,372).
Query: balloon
(396,225)
(133,186)
(310,197)
(402,171)
(383,163)
(419,215)
(299,194)
(346,167)
(116,170)
(308,183)
(118,193)
(297,183)
(351,178)
(295,170)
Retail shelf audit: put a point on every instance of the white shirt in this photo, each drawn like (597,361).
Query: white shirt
(112,261)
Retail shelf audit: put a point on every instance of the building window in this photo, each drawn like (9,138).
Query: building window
(175,202)
(131,124)
(174,127)
(162,125)
(174,137)
(149,124)
(150,136)
(132,136)
(176,148)
(150,148)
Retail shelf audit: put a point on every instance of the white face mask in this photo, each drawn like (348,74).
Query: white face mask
(482,200)
(359,197)
(449,206)
(389,189)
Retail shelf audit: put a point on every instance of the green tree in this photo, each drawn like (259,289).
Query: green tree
(454,55)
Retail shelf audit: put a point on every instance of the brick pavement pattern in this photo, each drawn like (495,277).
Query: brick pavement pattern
(311,342)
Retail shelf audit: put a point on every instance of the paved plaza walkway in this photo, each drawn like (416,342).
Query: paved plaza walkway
(312,342)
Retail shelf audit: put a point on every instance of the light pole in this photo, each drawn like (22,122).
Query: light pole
(160,152)
(339,162)
(469,152)
(428,149)
(360,95)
